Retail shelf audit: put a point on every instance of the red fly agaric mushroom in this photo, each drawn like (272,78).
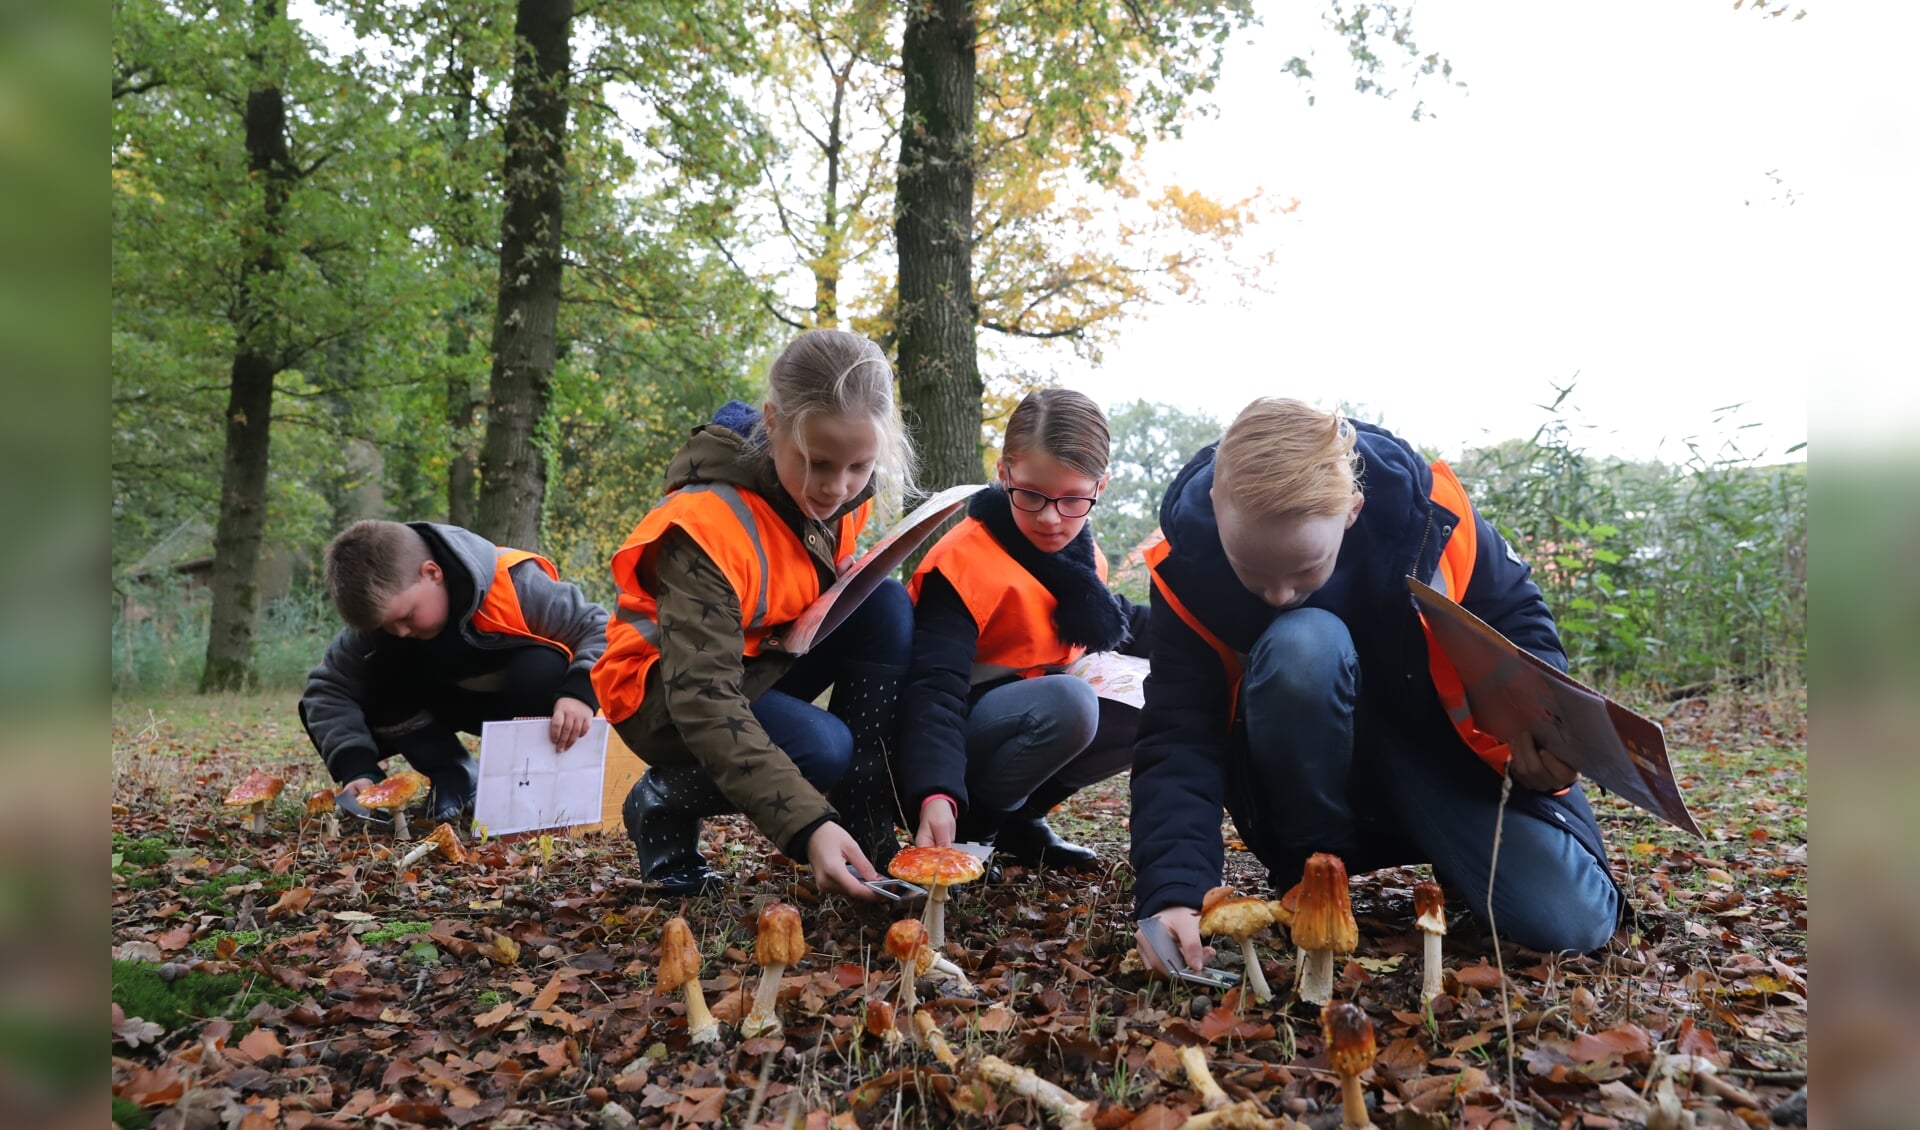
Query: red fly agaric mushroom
(1349,1036)
(936,868)
(1286,906)
(1240,919)
(779,944)
(1430,907)
(680,969)
(1323,925)
(441,840)
(255,793)
(394,794)
(879,1022)
(320,807)
(907,944)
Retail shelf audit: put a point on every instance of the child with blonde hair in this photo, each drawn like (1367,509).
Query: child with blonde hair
(761,514)
(1294,686)
(995,734)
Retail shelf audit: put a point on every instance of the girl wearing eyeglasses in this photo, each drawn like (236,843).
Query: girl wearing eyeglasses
(992,734)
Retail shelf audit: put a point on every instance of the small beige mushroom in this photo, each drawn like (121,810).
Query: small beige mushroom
(933,1041)
(680,969)
(907,944)
(1240,919)
(779,944)
(321,807)
(254,794)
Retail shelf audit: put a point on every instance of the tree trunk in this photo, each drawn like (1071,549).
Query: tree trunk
(933,227)
(513,469)
(463,403)
(257,358)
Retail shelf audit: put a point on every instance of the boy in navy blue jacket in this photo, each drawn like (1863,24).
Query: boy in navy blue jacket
(1292,686)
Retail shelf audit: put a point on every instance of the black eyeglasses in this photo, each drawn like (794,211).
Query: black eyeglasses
(1033,502)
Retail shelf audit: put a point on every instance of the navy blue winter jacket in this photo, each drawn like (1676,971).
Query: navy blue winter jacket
(1180,761)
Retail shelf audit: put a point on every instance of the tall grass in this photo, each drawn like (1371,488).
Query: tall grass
(160,638)
(1659,575)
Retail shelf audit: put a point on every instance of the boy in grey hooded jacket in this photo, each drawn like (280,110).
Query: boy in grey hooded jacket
(444,631)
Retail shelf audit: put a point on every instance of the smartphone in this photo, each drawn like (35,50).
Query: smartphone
(1168,950)
(896,890)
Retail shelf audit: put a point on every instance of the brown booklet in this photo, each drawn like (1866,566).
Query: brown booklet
(831,608)
(1511,692)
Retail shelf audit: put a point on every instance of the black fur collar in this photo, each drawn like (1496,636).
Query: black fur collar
(1089,613)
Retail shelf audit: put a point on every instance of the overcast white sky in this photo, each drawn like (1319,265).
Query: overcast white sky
(1596,202)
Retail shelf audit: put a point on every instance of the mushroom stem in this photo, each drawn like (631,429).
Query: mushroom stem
(909,996)
(935,917)
(1430,979)
(1069,1111)
(414,853)
(762,1020)
(1256,976)
(330,827)
(1195,1061)
(702,1028)
(932,1040)
(954,972)
(1353,1104)
(1316,976)
(399,823)
(257,817)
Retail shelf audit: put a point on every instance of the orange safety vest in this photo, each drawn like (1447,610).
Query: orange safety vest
(1012,609)
(773,578)
(499,610)
(1455,573)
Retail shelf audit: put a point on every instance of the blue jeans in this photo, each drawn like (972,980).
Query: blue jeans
(1050,728)
(878,635)
(1312,748)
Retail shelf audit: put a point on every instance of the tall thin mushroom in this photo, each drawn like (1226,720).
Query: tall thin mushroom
(779,944)
(254,794)
(1323,925)
(1349,1034)
(680,969)
(1430,910)
(320,806)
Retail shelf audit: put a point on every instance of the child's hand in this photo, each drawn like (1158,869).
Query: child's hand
(936,823)
(1534,768)
(1183,922)
(571,717)
(831,851)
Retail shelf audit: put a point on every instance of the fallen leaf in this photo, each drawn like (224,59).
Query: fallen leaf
(261,1043)
(548,994)
(495,1015)
(1628,1043)
(133,1031)
(501,949)
(1381,964)
(1481,976)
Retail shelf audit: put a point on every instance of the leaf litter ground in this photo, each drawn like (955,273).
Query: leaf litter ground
(289,979)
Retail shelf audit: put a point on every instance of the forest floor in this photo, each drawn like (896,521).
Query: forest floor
(287,979)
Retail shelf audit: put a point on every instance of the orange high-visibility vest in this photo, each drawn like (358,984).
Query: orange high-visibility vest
(1012,609)
(500,609)
(1455,573)
(773,578)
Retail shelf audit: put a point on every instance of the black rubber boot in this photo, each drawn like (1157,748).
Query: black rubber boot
(1025,836)
(866,696)
(662,813)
